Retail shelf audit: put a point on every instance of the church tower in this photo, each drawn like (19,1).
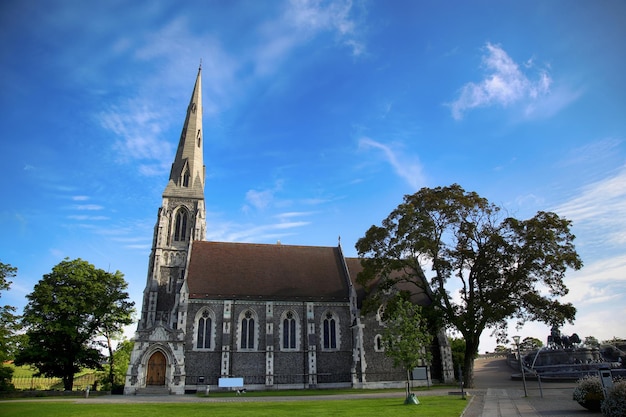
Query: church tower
(158,357)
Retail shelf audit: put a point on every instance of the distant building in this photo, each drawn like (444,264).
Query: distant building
(278,316)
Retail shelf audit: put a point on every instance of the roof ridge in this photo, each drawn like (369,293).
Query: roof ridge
(266,244)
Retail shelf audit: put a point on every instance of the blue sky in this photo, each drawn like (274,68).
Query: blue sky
(318,117)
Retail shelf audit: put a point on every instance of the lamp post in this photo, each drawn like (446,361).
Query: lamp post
(521,365)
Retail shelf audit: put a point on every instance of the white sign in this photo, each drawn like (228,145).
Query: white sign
(230,382)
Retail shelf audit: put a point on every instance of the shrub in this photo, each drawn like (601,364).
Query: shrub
(6,374)
(588,392)
(615,403)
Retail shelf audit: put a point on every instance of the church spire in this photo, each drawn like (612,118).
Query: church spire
(188,172)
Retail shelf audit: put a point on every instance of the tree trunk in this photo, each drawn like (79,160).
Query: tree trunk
(408,384)
(68,382)
(111,360)
(471,348)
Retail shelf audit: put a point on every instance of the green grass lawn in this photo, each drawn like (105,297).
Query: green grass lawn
(316,392)
(440,406)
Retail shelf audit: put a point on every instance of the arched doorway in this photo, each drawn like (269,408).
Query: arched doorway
(156,369)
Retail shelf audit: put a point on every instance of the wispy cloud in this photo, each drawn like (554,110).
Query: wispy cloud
(259,199)
(599,210)
(293,214)
(262,199)
(594,152)
(83,217)
(338,17)
(251,233)
(598,282)
(88,207)
(504,84)
(141,126)
(138,128)
(406,167)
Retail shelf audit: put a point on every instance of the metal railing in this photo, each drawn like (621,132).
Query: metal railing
(294,379)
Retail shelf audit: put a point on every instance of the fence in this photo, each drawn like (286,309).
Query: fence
(43,383)
(295,379)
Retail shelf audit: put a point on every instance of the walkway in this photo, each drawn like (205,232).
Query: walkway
(497,395)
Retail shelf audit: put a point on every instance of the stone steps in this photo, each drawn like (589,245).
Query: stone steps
(153,391)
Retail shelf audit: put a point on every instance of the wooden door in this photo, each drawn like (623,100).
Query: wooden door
(156,369)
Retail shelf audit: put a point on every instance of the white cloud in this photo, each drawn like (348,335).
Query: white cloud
(84,217)
(599,210)
(88,207)
(250,233)
(504,84)
(598,151)
(260,199)
(138,129)
(139,124)
(311,17)
(292,214)
(597,282)
(406,167)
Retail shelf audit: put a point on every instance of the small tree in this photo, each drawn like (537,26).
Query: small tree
(457,346)
(67,310)
(116,312)
(592,342)
(501,349)
(118,366)
(406,338)
(530,343)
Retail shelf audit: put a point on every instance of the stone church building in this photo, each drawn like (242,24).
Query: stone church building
(277,316)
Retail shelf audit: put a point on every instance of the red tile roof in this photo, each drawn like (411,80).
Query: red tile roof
(266,272)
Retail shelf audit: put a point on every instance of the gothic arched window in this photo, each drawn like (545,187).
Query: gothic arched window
(186,177)
(203,336)
(289,331)
(180,226)
(378,344)
(329,332)
(247,331)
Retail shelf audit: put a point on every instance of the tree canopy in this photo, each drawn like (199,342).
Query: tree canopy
(8,321)
(486,268)
(67,311)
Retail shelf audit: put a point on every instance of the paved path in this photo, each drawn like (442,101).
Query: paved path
(497,395)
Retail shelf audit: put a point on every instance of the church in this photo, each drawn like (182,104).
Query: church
(262,316)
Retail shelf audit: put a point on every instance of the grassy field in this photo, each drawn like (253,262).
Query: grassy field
(440,406)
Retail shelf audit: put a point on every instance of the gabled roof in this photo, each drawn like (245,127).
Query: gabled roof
(354,266)
(250,271)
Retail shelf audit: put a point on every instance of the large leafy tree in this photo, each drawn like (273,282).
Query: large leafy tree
(9,325)
(68,310)
(486,268)
(406,338)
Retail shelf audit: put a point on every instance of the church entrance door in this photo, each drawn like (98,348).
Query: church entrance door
(156,369)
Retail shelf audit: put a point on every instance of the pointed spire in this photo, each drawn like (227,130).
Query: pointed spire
(187,174)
